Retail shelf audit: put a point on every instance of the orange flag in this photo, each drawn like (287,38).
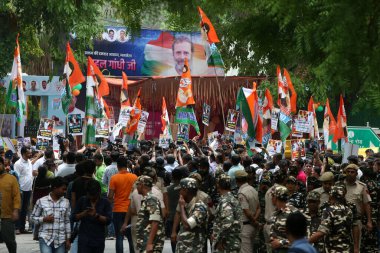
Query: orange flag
(329,123)
(208,28)
(124,101)
(165,119)
(72,68)
(293,93)
(185,94)
(135,115)
(341,125)
(102,87)
(268,101)
(314,132)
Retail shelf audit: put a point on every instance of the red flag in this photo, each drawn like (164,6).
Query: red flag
(72,68)
(102,85)
(341,126)
(293,93)
(268,101)
(207,27)
(124,101)
(135,115)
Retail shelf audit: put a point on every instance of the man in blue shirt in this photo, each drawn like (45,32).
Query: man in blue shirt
(296,229)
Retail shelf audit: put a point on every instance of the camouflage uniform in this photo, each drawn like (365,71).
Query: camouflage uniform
(150,211)
(314,221)
(369,239)
(336,224)
(278,220)
(297,200)
(227,225)
(194,239)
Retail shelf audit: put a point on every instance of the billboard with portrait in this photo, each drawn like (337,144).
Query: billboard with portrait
(151,53)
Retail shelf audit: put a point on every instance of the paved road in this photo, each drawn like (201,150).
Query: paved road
(25,244)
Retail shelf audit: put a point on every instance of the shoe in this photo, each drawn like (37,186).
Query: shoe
(25,232)
(17,232)
(110,238)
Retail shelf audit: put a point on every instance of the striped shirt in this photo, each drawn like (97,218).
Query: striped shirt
(108,173)
(58,231)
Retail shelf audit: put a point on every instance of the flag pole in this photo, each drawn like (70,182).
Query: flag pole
(220,95)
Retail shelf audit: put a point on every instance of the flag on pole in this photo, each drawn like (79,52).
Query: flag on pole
(165,120)
(247,101)
(283,101)
(207,27)
(91,110)
(135,115)
(72,76)
(293,93)
(329,123)
(341,125)
(314,132)
(267,116)
(124,101)
(15,94)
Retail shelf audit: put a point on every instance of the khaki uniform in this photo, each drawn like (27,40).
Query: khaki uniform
(269,209)
(249,199)
(325,196)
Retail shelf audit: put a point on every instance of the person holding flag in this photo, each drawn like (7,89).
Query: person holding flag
(165,121)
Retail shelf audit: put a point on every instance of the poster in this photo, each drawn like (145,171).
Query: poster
(274,119)
(8,124)
(298,146)
(274,147)
(212,136)
(75,124)
(124,116)
(42,144)
(45,129)
(142,122)
(183,132)
(301,122)
(206,111)
(164,141)
(56,133)
(56,103)
(232,118)
(295,133)
(150,53)
(102,128)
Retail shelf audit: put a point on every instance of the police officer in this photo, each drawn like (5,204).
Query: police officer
(357,193)
(249,202)
(150,225)
(314,216)
(278,237)
(296,198)
(327,180)
(227,227)
(336,224)
(192,234)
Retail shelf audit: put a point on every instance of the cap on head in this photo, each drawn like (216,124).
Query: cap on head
(241,174)
(352,167)
(314,195)
(291,179)
(196,176)
(327,176)
(224,180)
(145,180)
(338,191)
(281,192)
(188,183)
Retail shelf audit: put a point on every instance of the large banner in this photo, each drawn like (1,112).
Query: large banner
(153,53)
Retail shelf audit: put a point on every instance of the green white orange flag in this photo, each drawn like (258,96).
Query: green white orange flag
(247,102)
(292,91)
(207,27)
(15,94)
(185,93)
(329,123)
(283,101)
(341,125)
(135,115)
(72,76)
(124,101)
(165,120)
(267,111)
(314,132)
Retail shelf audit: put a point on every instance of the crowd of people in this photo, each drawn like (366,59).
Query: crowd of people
(226,198)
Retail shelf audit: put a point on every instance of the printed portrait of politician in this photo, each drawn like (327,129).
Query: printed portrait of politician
(33,86)
(44,85)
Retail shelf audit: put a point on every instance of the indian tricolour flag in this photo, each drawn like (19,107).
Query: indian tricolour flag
(15,94)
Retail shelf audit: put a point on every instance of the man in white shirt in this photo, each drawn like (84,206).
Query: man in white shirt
(171,163)
(48,154)
(68,168)
(24,169)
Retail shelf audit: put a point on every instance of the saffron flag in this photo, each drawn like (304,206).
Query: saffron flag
(124,101)
(15,94)
(293,93)
(314,132)
(267,111)
(165,121)
(329,123)
(185,93)
(207,27)
(135,115)
(247,102)
(341,125)
(283,101)
(72,76)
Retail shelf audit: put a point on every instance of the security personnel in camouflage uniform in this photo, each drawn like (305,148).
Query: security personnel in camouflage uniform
(150,226)
(249,202)
(296,198)
(192,234)
(336,224)
(327,180)
(227,225)
(314,216)
(278,237)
